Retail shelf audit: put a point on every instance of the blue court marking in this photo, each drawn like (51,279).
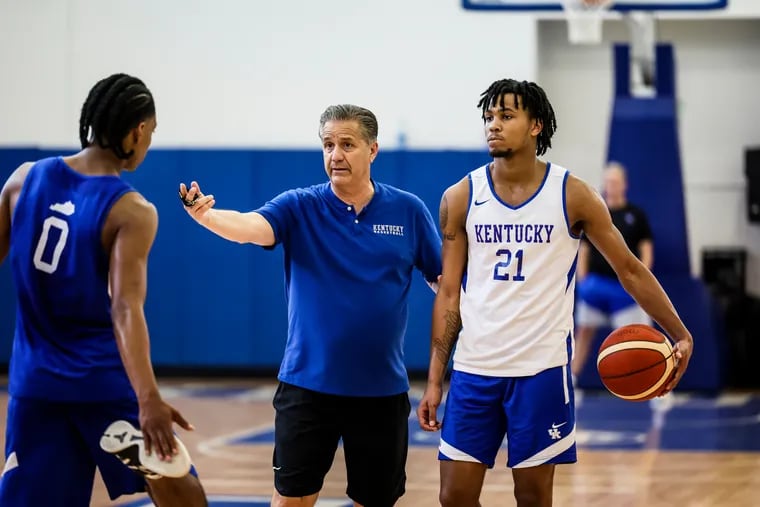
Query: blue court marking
(698,424)
(243,501)
(730,423)
(201,391)
(256,437)
(212,392)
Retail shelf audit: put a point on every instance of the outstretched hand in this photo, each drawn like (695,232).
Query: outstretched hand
(196,203)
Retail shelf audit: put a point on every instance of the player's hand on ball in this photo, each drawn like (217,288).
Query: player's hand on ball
(156,418)
(682,352)
(426,411)
(196,203)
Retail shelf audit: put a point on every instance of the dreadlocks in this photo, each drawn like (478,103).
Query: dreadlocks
(534,101)
(114,106)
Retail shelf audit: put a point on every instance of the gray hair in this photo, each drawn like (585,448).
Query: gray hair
(349,112)
(614,165)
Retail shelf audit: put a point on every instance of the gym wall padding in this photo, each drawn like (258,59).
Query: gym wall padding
(643,136)
(213,304)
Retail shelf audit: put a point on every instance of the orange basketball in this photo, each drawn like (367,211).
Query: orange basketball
(636,362)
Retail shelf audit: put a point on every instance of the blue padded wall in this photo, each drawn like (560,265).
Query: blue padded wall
(213,303)
(643,136)
(216,304)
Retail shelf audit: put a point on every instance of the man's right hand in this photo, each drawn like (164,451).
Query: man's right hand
(426,411)
(196,204)
(156,418)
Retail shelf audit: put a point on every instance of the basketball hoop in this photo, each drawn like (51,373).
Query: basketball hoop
(584,20)
(642,27)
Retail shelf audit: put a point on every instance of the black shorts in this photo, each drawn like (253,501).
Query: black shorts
(375,432)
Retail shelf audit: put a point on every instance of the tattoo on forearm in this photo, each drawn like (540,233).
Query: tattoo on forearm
(445,344)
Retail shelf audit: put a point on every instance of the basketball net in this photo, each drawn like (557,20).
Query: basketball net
(584,20)
(642,27)
(584,26)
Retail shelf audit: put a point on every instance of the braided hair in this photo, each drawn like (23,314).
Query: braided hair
(114,106)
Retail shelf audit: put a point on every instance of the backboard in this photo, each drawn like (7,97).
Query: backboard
(584,22)
(622,5)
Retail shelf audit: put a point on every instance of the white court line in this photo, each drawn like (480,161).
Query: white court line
(213,446)
(168,393)
(264,393)
(733,400)
(416,392)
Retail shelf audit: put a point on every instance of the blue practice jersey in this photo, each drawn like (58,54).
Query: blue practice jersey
(347,282)
(64,347)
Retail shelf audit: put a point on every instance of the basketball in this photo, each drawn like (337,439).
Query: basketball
(636,362)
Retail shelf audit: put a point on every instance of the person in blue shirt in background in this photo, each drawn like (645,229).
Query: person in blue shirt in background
(81,379)
(350,249)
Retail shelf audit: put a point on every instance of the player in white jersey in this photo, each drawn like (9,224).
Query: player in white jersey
(511,231)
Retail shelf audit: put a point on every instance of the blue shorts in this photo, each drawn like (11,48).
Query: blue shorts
(603,301)
(536,413)
(604,294)
(52,449)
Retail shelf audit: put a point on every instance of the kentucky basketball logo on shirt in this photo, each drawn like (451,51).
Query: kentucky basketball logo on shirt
(391,230)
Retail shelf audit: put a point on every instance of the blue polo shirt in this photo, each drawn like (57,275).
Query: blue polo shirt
(347,280)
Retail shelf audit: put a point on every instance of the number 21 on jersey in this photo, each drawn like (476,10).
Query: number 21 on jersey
(502,270)
(50,263)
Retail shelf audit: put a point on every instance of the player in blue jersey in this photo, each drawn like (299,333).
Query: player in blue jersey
(81,379)
(351,246)
(510,239)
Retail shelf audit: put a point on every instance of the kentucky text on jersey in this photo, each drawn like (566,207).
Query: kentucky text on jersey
(517,303)
(513,233)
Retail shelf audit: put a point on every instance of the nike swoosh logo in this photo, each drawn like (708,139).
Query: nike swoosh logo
(555,426)
(276,468)
(478,203)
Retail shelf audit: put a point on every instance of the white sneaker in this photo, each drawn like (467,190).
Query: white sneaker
(126,442)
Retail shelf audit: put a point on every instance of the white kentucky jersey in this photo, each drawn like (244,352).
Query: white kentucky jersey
(517,297)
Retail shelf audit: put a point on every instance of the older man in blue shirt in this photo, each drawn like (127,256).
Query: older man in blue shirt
(351,245)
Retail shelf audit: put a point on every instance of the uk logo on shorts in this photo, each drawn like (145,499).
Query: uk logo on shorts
(554,431)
